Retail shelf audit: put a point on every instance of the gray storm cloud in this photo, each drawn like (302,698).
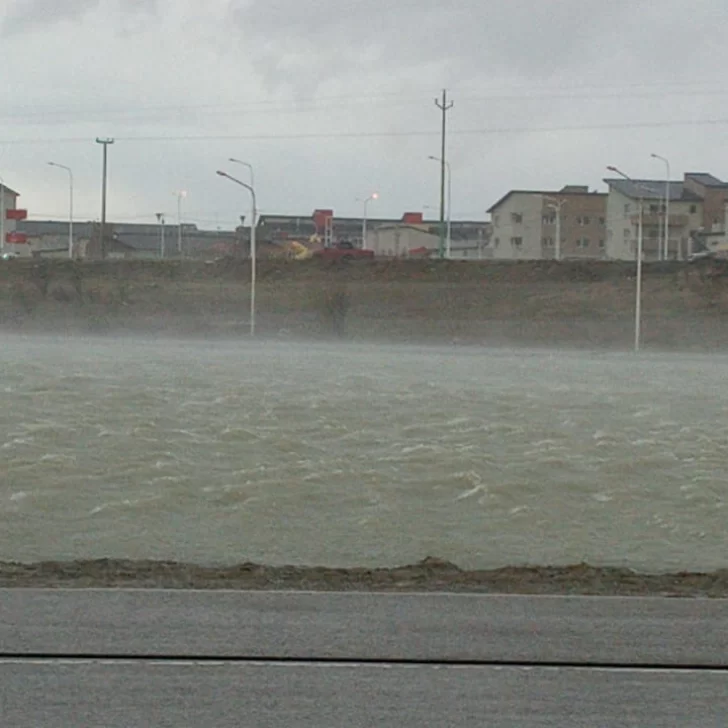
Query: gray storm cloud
(28,15)
(331,38)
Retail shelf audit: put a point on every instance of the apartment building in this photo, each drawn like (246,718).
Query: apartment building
(686,216)
(536,224)
(714,196)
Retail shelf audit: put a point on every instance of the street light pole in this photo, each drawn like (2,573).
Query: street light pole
(373,196)
(105,143)
(253,251)
(254,221)
(2,216)
(556,206)
(448,227)
(180,196)
(160,220)
(70,205)
(640,241)
(666,238)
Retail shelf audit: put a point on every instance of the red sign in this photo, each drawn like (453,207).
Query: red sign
(16,238)
(15,214)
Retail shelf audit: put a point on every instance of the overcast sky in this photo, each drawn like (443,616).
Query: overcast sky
(334,99)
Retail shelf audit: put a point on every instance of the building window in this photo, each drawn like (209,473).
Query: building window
(653,208)
(517,243)
(547,242)
(496,242)
(582,243)
(627,233)
(548,219)
(693,209)
(516,217)
(464,253)
(626,209)
(602,221)
(584,220)
(495,220)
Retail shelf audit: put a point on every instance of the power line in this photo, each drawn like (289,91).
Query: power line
(323,103)
(377,134)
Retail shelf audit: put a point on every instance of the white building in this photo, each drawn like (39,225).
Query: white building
(402,240)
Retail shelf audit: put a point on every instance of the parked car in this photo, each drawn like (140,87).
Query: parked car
(343,251)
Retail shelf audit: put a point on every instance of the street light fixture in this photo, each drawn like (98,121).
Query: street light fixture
(666,238)
(373,196)
(70,205)
(253,252)
(448,233)
(638,292)
(557,205)
(248,165)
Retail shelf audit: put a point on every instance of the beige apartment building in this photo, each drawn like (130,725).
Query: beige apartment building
(568,224)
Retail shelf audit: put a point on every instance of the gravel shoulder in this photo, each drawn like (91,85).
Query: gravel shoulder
(431,574)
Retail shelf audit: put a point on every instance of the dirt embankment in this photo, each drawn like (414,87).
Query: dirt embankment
(530,303)
(432,574)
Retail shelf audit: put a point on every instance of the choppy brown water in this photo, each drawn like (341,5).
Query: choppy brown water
(354,455)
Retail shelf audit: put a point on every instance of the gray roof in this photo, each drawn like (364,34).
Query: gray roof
(706,179)
(566,191)
(651,189)
(37,228)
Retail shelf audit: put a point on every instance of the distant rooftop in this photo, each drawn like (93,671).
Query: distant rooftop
(651,189)
(581,190)
(706,179)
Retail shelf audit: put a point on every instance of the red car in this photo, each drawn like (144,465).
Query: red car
(344,252)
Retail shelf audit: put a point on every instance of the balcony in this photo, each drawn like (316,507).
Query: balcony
(657,218)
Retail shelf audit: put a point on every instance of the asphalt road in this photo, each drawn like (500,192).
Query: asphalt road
(287,696)
(134,658)
(442,627)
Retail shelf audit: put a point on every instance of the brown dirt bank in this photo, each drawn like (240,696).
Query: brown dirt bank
(527,303)
(431,574)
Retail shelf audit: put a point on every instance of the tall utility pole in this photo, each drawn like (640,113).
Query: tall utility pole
(105,143)
(444,106)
